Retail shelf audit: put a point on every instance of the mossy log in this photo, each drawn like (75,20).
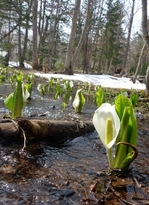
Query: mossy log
(55,131)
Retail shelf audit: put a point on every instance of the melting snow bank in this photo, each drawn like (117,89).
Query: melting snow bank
(103,80)
(16,64)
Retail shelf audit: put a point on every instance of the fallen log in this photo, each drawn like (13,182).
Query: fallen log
(54,131)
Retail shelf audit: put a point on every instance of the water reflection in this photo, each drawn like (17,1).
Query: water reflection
(64,174)
(47,174)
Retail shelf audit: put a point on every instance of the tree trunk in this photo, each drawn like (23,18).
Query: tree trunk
(35,38)
(21,58)
(26,30)
(146,37)
(42,129)
(139,62)
(20,13)
(7,57)
(147,82)
(75,56)
(68,66)
(128,38)
(110,65)
(144,22)
(85,62)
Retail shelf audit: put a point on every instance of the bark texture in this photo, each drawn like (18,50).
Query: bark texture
(128,39)
(68,63)
(146,37)
(35,36)
(42,129)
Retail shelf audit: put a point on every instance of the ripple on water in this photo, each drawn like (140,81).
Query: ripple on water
(49,174)
(45,174)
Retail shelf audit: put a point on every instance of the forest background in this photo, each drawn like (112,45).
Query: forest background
(88,36)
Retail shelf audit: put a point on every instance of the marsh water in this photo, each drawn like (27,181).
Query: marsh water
(73,173)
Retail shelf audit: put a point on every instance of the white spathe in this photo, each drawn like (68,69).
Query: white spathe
(79,101)
(104,112)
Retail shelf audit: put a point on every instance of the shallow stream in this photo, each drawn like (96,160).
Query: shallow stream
(73,173)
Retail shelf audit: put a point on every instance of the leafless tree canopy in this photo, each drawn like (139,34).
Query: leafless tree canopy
(92,36)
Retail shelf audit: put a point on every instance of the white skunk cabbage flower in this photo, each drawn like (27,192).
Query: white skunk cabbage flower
(107,125)
(79,101)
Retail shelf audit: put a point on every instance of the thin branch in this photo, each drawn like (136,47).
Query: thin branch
(17,126)
(7,34)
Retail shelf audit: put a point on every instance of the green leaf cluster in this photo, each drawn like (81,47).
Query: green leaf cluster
(79,101)
(16,100)
(99,96)
(127,137)
(42,89)
(134,99)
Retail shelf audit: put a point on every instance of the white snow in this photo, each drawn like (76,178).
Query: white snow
(103,80)
(16,64)
(13,64)
(107,81)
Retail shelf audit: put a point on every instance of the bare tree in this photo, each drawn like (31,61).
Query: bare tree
(35,36)
(26,35)
(87,47)
(144,22)
(9,32)
(68,66)
(20,54)
(128,37)
(146,37)
(146,44)
(139,62)
(75,56)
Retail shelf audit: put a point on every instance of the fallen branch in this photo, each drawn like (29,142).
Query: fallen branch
(55,131)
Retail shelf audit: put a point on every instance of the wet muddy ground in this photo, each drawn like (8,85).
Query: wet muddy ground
(73,173)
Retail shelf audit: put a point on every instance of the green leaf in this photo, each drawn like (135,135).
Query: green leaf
(99,96)
(132,138)
(29,87)
(42,89)
(134,99)
(79,101)
(121,150)
(64,105)
(130,157)
(26,92)
(15,101)
(128,130)
(121,102)
(9,102)
(18,99)
(127,161)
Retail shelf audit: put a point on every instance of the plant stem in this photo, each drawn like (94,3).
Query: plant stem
(110,158)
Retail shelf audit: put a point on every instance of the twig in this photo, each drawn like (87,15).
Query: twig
(17,126)
(135,180)
(23,133)
(119,196)
(140,198)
